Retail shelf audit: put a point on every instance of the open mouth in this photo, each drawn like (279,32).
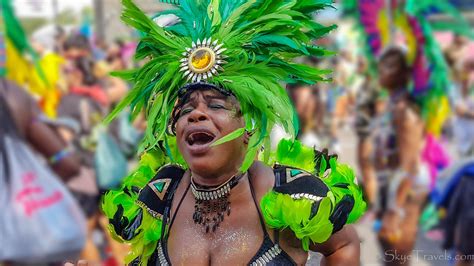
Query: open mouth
(200,138)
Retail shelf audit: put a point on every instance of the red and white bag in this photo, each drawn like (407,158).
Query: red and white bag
(39,219)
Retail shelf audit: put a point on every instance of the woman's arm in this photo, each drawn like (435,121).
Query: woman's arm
(47,142)
(367,169)
(409,131)
(342,248)
(39,135)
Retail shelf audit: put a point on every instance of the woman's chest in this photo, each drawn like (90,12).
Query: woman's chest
(235,242)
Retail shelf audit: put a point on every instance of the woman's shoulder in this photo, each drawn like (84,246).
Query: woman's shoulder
(263,177)
(159,191)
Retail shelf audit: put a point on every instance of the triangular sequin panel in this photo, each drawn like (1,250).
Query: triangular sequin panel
(160,187)
(293,174)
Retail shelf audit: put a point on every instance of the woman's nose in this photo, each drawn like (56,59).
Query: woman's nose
(197,115)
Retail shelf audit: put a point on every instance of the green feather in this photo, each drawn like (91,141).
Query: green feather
(174,2)
(229,137)
(214,12)
(229,24)
(280,42)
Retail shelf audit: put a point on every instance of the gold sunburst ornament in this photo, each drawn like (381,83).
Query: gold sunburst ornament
(203,60)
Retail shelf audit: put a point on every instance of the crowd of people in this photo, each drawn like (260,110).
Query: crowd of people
(402,169)
(73,137)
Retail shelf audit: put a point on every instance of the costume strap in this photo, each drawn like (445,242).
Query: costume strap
(254,198)
(177,209)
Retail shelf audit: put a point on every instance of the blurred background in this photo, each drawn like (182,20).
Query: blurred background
(58,89)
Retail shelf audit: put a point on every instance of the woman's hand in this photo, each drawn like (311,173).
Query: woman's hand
(342,248)
(391,227)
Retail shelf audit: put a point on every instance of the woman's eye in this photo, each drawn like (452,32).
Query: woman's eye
(216,106)
(185,111)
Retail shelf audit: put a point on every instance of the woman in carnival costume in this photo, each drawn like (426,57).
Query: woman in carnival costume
(405,155)
(211,93)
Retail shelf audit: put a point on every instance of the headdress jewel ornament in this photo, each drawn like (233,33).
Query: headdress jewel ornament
(203,60)
(245,47)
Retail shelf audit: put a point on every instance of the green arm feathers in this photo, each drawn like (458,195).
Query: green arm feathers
(128,221)
(342,204)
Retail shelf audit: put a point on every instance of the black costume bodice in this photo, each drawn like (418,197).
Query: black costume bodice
(269,253)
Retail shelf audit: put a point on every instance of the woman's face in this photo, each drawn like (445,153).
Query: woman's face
(206,117)
(392,74)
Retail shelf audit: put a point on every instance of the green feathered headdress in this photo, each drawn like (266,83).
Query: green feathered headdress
(244,47)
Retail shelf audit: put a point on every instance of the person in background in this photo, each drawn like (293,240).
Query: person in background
(84,107)
(116,89)
(114,55)
(366,111)
(36,132)
(340,97)
(397,139)
(77,46)
(456,50)
(99,50)
(462,100)
(305,101)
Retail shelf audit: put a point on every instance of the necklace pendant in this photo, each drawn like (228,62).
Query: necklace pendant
(212,205)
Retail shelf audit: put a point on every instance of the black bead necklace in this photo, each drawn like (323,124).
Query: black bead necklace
(212,203)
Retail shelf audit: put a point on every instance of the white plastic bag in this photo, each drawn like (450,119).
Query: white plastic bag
(39,219)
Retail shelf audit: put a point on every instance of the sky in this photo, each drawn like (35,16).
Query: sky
(44,8)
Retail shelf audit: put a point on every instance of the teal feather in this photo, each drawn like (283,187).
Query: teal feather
(174,2)
(227,6)
(280,42)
